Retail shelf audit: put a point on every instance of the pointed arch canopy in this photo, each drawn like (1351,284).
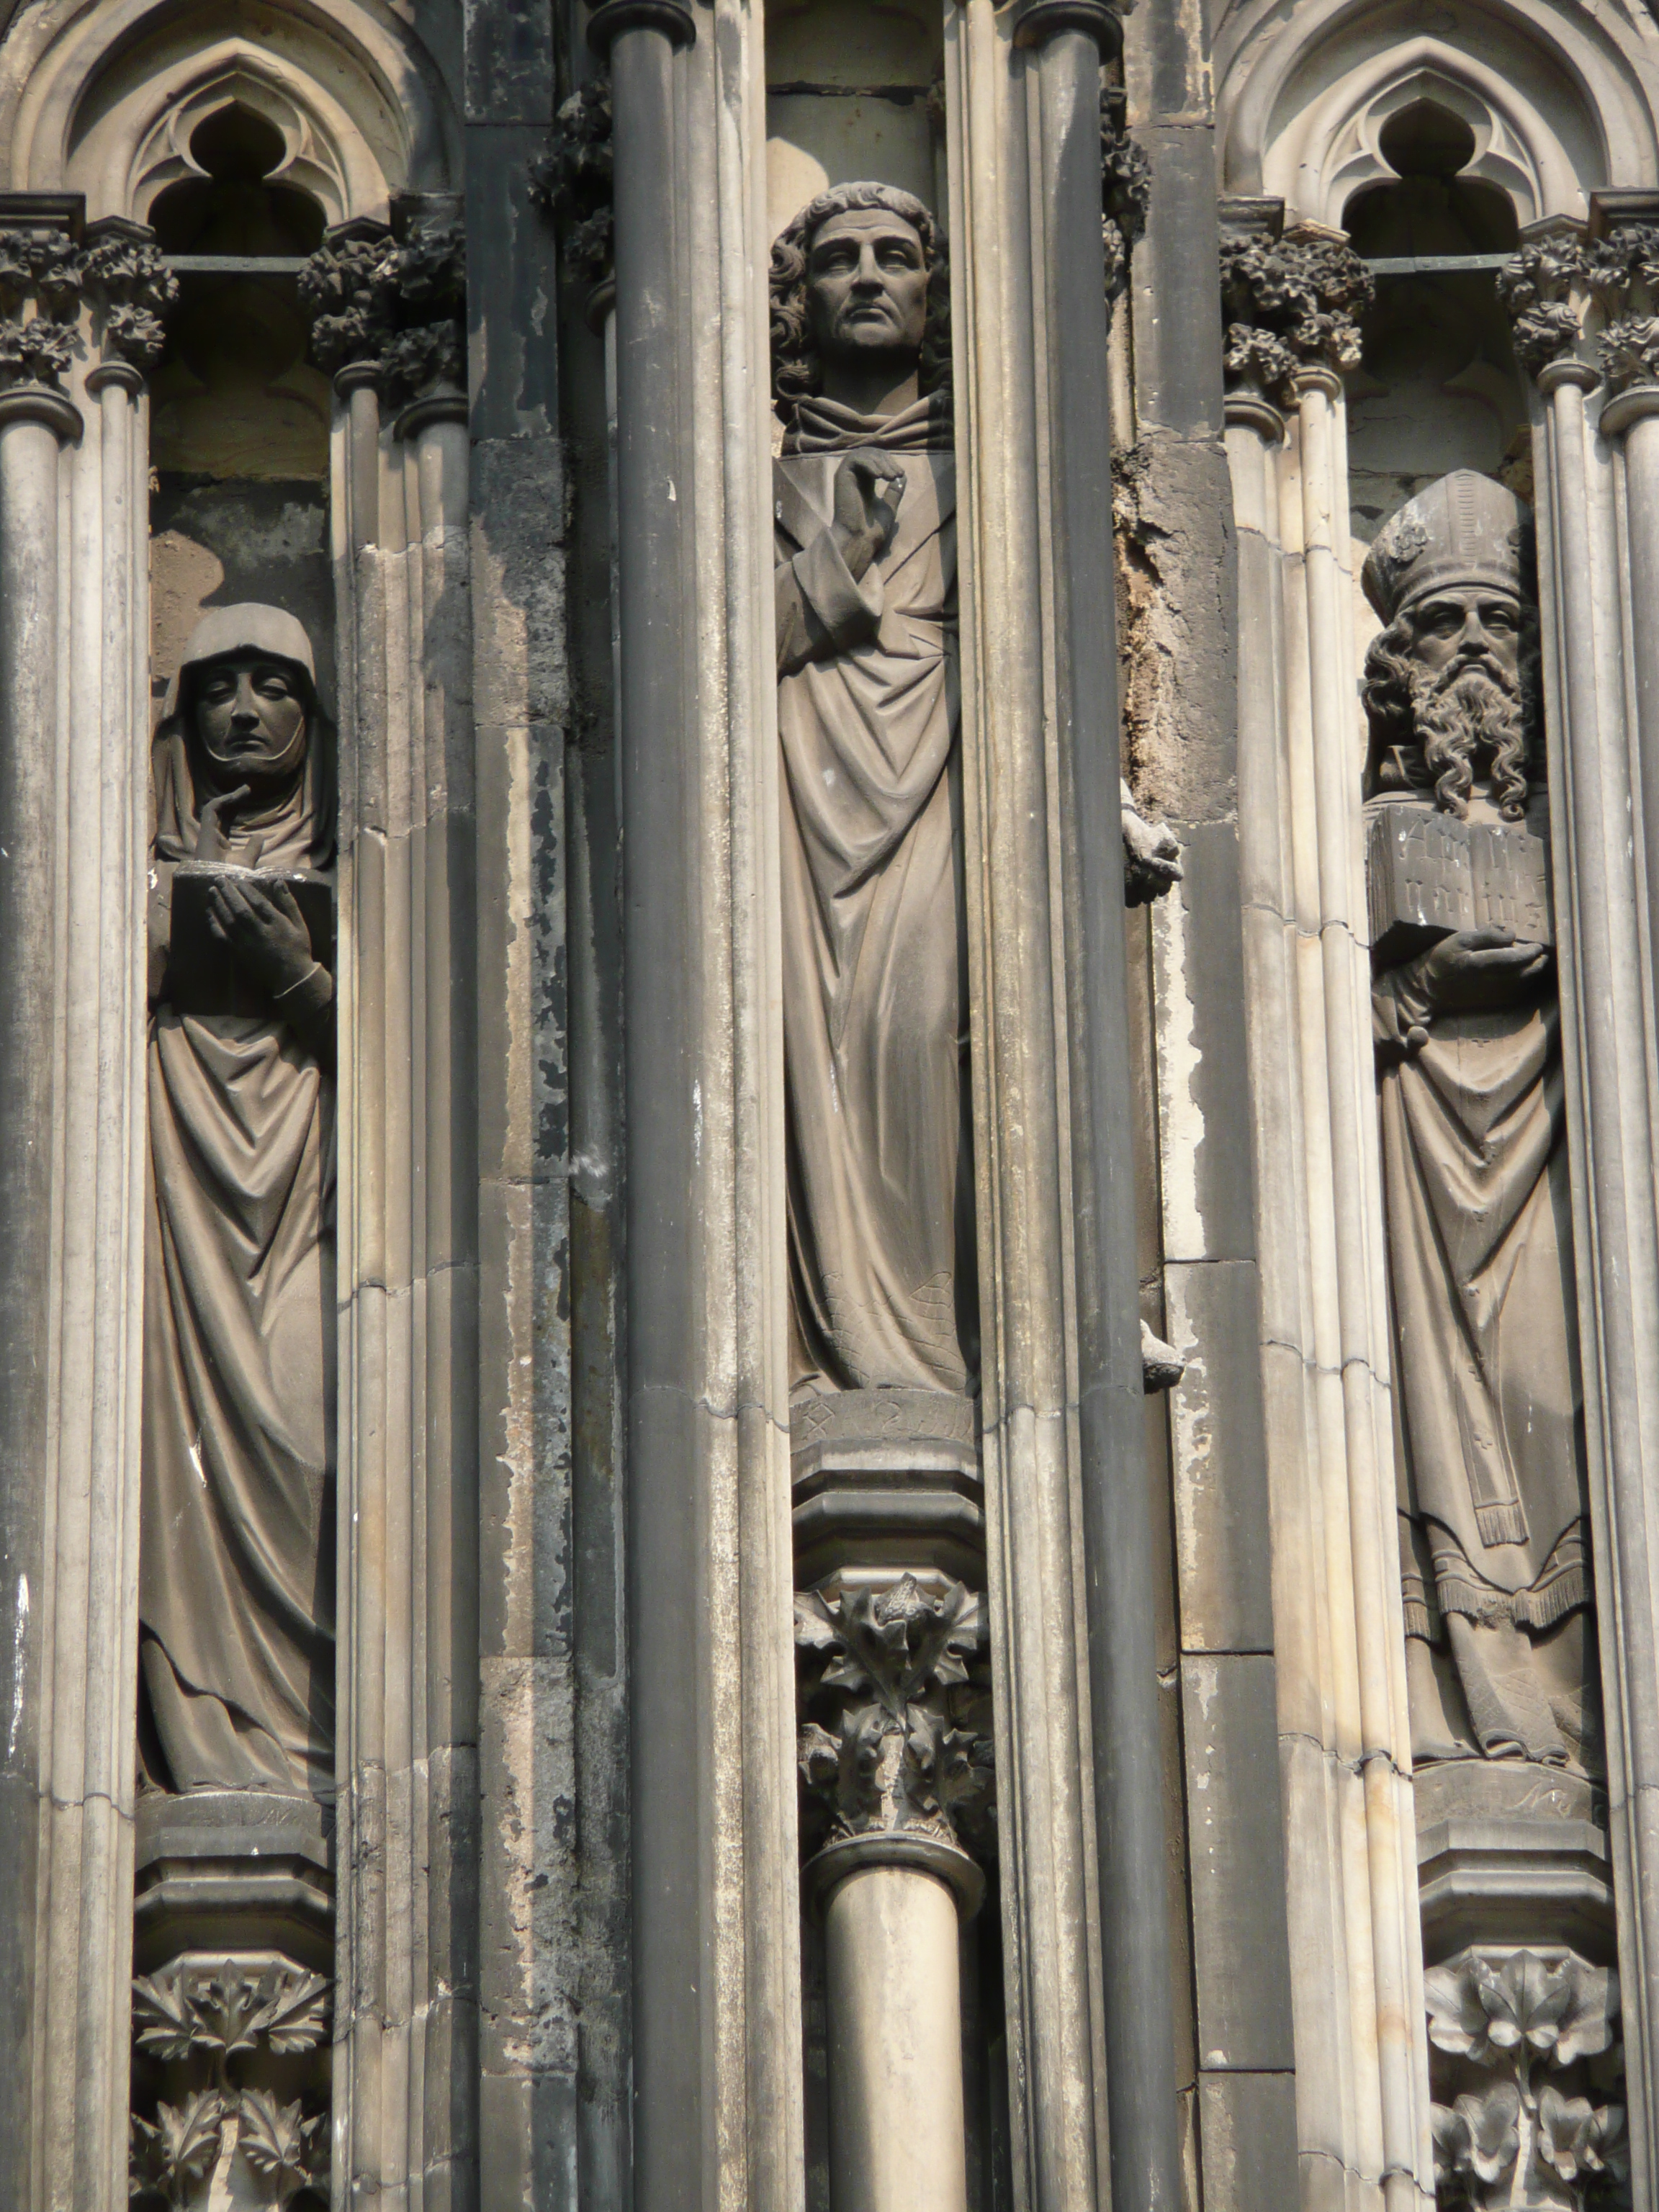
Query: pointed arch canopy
(104,98)
(1560,102)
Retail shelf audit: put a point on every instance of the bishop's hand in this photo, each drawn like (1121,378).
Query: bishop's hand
(869,486)
(264,932)
(1478,968)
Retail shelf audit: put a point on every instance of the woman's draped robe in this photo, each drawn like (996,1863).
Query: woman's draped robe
(875,1016)
(236,1576)
(1489,1409)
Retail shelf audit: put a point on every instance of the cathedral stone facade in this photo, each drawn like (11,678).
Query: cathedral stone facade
(829,1046)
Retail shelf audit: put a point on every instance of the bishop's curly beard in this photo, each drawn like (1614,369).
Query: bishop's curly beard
(1466,715)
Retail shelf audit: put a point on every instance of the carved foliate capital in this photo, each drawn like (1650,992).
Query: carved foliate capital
(395,305)
(1544,290)
(895,1733)
(218,2020)
(1526,2057)
(1290,307)
(130,289)
(572,183)
(41,287)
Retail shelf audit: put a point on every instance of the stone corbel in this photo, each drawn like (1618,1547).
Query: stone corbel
(1526,2055)
(234,2032)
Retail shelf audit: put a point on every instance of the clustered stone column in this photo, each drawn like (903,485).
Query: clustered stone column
(1070,1575)
(388,304)
(78,326)
(1583,299)
(1290,304)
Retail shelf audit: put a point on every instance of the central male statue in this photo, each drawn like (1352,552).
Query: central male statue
(1494,1529)
(875,1004)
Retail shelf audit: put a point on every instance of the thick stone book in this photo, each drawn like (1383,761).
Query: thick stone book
(201,975)
(1428,873)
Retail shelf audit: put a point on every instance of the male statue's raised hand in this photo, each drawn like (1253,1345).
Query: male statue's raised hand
(869,486)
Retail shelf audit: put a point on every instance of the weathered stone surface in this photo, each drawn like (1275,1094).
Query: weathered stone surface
(1235,1857)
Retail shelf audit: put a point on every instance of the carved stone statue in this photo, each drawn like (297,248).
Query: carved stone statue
(1494,1528)
(236,1574)
(882,1271)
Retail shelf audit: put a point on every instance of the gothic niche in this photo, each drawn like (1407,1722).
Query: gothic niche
(1501,1656)
(232,1922)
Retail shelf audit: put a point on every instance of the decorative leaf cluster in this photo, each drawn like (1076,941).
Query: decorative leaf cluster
(126,278)
(279,2143)
(130,280)
(572,182)
(398,307)
(1289,303)
(37,352)
(890,1669)
(222,2010)
(173,2154)
(184,2009)
(1126,193)
(1547,286)
(1511,2016)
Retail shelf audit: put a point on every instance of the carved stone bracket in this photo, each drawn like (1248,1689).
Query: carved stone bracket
(1527,2055)
(206,2023)
(1291,306)
(894,1747)
(393,303)
(572,184)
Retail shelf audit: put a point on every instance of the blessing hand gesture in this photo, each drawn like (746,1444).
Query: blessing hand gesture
(869,486)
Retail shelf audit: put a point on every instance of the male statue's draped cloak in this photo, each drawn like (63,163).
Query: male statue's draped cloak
(236,1576)
(875,1012)
(1481,1268)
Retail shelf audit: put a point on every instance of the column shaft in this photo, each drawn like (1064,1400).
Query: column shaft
(717,2072)
(28,742)
(1593,627)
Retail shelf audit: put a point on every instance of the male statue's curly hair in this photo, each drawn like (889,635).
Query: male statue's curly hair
(797,372)
(1428,730)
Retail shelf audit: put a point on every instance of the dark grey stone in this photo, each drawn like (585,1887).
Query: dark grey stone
(509,61)
(1247,2142)
(512,274)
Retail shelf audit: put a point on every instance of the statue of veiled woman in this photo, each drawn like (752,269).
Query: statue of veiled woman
(236,1574)
(881,1276)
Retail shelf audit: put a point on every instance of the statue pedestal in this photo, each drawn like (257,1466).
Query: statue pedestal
(896,1759)
(232,1994)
